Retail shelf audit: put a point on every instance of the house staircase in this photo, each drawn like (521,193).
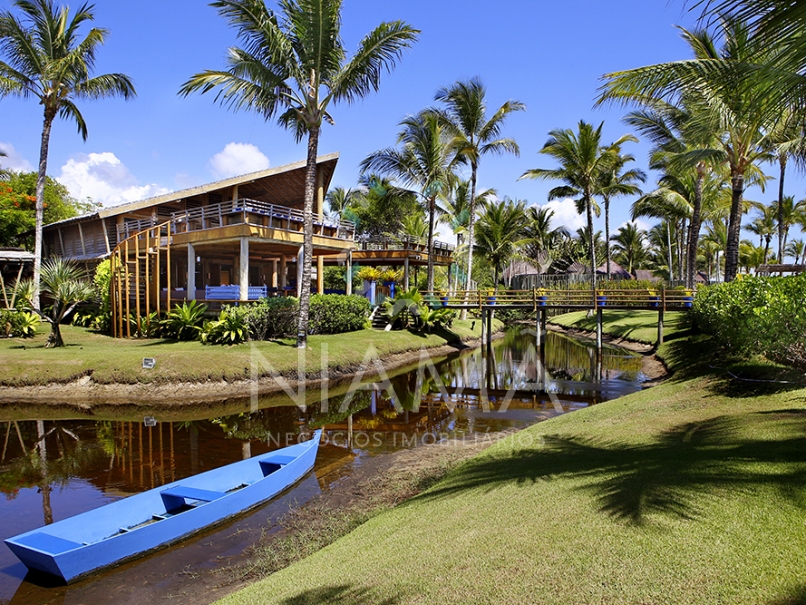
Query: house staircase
(379,318)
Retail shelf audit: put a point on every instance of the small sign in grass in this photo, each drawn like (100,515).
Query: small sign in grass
(149,363)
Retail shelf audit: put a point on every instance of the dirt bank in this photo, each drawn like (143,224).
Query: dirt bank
(84,395)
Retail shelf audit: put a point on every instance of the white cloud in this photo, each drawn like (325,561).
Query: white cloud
(237,159)
(639,222)
(13,160)
(103,178)
(565,215)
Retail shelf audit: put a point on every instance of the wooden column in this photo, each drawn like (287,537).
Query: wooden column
(191,295)
(283,271)
(349,276)
(406,273)
(274,281)
(320,274)
(243,270)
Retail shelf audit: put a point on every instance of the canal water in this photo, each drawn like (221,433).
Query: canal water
(57,467)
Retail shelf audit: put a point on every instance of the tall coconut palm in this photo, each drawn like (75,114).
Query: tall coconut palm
(795,249)
(338,199)
(500,232)
(614,183)
(582,160)
(293,65)
(475,135)
(786,215)
(46,59)
(628,244)
(733,98)
(425,161)
(763,226)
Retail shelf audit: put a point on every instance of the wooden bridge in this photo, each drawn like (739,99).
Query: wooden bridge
(540,301)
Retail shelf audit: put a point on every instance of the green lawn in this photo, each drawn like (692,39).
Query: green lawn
(693,491)
(641,326)
(113,360)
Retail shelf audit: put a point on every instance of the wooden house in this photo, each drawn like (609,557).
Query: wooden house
(236,239)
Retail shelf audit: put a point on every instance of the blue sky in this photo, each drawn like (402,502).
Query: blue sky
(549,55)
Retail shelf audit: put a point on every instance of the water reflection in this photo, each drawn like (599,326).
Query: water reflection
(52,469)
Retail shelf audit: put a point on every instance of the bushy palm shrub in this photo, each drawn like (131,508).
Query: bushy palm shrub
(337,313)
(230,328)
(18,324)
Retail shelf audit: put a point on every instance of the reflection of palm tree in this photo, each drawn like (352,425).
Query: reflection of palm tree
(43,469)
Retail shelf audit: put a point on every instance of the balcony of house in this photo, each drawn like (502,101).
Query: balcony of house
(247,218)
(399,250)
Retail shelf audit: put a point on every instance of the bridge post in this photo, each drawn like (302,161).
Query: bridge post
(599,329)
(539,328)
(660,317)
(489,328)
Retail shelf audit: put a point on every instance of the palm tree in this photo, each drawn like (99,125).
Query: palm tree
(338,199)
(786,215)
(613,183)
(294,63)
(796,249)
(46,59)
(764,226)
(425,161)
(733,98)
(583,160)
(541,240)
(629,246)
(68,286)
(475,135)
(500,232)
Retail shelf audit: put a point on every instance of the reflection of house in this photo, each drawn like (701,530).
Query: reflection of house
(235,239)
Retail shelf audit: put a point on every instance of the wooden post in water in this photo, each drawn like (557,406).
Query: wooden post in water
(539,328)
(489,328)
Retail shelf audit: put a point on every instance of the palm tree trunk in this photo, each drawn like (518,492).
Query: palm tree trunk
(41,177)
(694,227)
(307,246)
(589,214)
(734,227)
(607,235)
(669,259)
(470,237)
(431,215)
(781,235)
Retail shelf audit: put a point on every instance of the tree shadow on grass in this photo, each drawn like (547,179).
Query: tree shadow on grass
(339,595)
(676,475)
(796,596)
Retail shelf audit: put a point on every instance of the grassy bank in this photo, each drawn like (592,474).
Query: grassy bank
(115,360)
(691,492)
(640,326)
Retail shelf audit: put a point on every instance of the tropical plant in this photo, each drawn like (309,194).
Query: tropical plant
(338,200)
(294,63)
(615,182)
(500,232)
(795,249)
(582,160)
(734,101)
(628,245)
(424,161)
(475,135)
(763,226)
(19,324)
(228,329)
(184,322)
(379,208)
(66,284)
(45,59)
(370,274)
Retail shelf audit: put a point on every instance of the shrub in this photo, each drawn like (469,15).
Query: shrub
(18,324)
(337,313)
(184,321)
(270,317)
(230,328)
(756,315)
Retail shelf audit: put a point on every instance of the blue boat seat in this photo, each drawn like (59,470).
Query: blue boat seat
(48,543)
(175,497)
(274,463)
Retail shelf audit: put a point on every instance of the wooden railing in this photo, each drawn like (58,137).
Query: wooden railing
(568,299)
(239,212)
(404,242)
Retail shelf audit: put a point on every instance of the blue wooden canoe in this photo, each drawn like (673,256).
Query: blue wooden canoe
(100,538)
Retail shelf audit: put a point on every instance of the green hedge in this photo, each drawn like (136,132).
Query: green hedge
(757,315)
(329,314)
